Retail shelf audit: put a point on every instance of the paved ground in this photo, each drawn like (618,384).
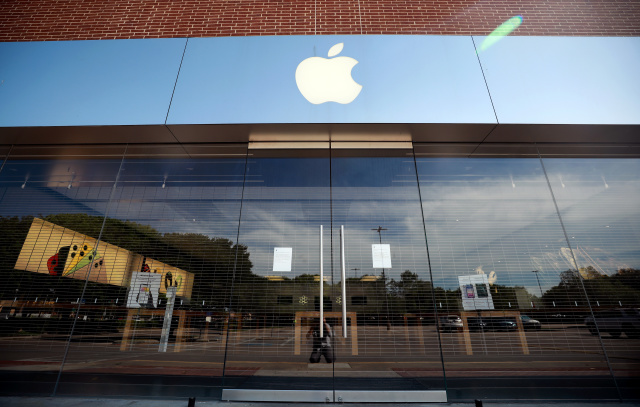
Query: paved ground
(563,361)
(82,402)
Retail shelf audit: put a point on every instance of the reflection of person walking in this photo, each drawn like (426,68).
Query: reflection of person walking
(321,345)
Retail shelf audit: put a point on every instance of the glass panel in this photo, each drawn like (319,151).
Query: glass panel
(51,211)
(170,238)
(392,343)
(511,316)
(276,293)
(599,200)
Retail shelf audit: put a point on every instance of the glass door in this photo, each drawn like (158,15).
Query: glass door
(393,354)
(337,303)
(276,302)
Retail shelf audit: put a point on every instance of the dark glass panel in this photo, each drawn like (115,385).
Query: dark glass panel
(52,205)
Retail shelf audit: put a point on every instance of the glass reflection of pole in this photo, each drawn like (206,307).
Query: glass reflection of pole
(539,286)
(379,229)
(355,272)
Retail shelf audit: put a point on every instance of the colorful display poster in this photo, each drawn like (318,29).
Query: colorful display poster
(475,292)
(61,252)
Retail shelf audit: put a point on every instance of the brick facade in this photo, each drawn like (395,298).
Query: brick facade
(37,20)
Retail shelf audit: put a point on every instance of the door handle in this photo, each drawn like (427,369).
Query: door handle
(344,283)
(321,288)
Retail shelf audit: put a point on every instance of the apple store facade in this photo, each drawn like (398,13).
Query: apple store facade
(321,218)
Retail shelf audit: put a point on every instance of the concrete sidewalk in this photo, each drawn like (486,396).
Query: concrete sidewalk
(102,402)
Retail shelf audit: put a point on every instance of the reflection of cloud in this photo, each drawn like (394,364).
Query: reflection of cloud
(568,256)
(485,220)
(551,261)
(173,209)
(492,224)
(473,220)
(492,278)
(270,223)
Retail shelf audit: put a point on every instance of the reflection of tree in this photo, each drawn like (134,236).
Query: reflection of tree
(14,231)
(210,259)
(589,273)
(622,288)
(505,297)
(569,279)
(411,293)
(628,277)
(215,261)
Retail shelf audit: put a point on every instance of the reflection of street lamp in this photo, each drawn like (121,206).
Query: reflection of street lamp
(539,286)
(355,274)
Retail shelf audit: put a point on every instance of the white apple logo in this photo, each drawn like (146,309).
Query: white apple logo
(323,80)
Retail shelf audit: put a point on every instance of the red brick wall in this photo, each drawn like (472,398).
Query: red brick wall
(35,20)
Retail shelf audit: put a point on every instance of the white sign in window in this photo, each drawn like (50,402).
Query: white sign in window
(475,292)
(144,290)
(282,258)
(381,255)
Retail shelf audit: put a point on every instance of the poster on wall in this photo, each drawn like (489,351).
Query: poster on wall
(144,290)
(475,292)
(62,252)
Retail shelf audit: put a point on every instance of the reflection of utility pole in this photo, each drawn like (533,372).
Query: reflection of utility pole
(355,272)
(539,286)
(379,229)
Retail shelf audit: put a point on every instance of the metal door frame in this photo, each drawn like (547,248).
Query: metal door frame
(336,396)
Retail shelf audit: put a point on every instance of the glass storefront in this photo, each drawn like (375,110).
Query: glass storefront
(150,272)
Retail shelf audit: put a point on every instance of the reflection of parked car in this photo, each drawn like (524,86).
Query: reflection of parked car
(615,322)
(476,324)
(450,323)
(501,324)
(530,323)
(491,324)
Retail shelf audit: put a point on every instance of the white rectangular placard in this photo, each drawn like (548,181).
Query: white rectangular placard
(282,258)
(144,290)
(381,255)
(475,291)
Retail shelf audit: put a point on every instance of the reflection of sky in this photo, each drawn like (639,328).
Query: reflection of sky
(534,79)
(427,79)
(43,187)
(490,214)
(499,214)
(75,83)
(600,205)
(199,195)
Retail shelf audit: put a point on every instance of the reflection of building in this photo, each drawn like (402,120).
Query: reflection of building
(204,155)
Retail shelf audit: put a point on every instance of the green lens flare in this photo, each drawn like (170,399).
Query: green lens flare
(503,30)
